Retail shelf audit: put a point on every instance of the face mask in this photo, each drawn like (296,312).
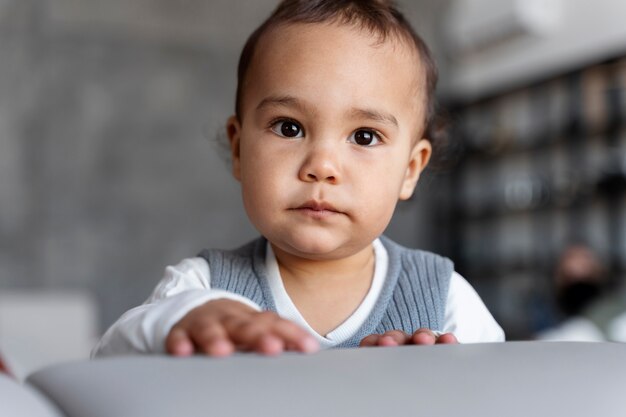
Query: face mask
(574,298)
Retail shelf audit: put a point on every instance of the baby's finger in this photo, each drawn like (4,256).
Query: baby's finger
(212,339)
(447,338)
(249,333)
(393,338)
(269,334)
(423,336)
(294,337)
(371,340)
(178,343)
(269,344)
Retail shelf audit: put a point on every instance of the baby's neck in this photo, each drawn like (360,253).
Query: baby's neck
(327,292)
(325,273)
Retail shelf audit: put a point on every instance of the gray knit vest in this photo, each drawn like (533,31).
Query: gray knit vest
(413,296)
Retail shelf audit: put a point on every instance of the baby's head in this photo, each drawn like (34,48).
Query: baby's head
(380,18)
(333,101)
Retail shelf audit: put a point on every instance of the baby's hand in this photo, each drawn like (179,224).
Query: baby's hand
(220,327)
(397,337)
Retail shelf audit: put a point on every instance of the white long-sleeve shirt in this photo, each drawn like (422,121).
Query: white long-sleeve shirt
(187,285)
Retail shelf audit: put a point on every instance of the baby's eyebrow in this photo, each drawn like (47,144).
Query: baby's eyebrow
(365,113)
(287,101)
(375,115)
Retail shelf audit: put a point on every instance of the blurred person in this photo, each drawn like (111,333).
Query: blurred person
(334,106)
(580,278)
(588,310)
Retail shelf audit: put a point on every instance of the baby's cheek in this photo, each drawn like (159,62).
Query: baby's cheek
(379,207)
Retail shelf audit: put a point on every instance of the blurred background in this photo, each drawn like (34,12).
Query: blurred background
(110,167)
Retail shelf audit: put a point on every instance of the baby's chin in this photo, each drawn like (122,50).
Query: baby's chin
(317,248)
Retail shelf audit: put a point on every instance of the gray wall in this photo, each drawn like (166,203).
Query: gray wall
(108,165)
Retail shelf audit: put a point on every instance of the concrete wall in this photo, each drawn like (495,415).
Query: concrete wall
(108,164)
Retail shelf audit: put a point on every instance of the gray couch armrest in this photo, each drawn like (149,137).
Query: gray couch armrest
(517,379)
(19,400)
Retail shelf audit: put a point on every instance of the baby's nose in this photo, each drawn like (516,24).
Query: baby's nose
(328,178)
(321,165)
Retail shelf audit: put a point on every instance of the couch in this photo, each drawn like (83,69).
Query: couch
(514,379)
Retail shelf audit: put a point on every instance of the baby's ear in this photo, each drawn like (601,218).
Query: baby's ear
(420,155)
(233,129)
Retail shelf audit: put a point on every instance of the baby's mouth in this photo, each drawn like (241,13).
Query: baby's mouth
(317,209)
(318,206)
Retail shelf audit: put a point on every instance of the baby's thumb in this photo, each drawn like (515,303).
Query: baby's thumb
(178,343)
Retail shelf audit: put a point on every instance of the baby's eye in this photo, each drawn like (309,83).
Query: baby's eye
(365,137)
(287,129)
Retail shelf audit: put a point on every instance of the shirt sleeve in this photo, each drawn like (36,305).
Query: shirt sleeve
(144,329)
(467,316)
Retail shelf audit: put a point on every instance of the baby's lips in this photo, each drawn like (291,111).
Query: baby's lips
(318,206)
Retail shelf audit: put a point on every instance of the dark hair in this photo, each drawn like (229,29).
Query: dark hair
(380,17)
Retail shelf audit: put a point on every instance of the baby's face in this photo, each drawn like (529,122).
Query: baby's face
(329,137)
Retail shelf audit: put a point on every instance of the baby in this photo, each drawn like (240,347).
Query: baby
(333,109)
